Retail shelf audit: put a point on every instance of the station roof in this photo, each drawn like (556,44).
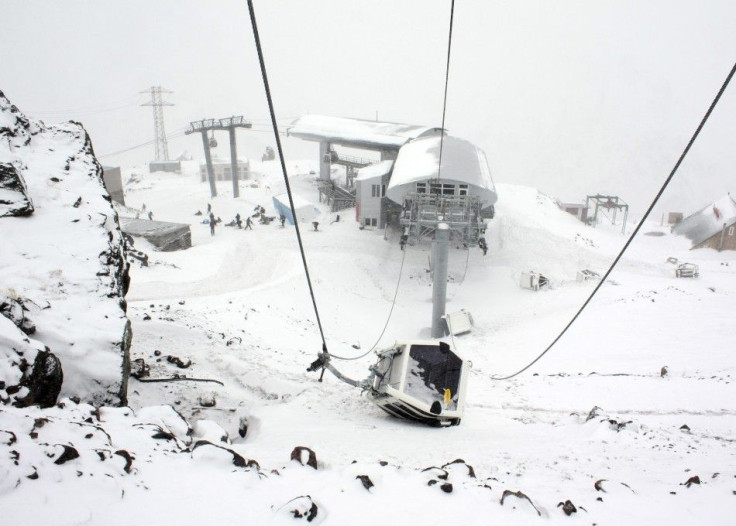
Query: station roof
(707,221)
(357,133)
(378,169)
(462,162)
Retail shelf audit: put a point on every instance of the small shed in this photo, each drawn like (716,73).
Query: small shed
(165,236)
(579,210)
(165,166)
(305,211)
(713,226)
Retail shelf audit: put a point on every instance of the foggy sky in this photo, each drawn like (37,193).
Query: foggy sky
(572,97)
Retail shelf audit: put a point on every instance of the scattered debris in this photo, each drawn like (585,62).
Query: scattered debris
(687,270)
(533,281)
(586,275)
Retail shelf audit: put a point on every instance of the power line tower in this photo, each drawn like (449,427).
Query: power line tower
(157,102)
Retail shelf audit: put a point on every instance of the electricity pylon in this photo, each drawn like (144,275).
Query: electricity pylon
(157,102)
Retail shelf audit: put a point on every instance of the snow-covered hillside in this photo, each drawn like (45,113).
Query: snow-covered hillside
(630,417)
(62,268)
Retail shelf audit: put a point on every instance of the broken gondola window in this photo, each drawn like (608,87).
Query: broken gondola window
(432,370)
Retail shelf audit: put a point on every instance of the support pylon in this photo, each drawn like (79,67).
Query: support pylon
(157,102)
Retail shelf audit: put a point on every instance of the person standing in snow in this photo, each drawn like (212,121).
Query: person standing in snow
(248,224)
(238,222)
(282,218)
(212,224)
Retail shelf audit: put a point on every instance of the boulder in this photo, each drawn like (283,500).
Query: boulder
(14,200)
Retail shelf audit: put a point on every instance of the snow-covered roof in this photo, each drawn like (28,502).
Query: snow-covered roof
(707,221)
(357,132)
(462,163)
(378,169)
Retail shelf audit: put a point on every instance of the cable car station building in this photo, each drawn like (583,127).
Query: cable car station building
(406,188)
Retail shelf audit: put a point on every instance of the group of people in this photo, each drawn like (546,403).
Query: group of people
(259,212)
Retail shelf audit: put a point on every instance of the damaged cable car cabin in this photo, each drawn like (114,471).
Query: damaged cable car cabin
(459,192)
(420,380)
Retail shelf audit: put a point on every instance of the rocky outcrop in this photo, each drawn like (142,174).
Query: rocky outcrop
(14,199)
(63,270)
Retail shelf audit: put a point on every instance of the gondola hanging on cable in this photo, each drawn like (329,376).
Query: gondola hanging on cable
(420,380)
(213,141)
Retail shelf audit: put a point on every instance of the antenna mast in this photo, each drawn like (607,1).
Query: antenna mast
(157,102)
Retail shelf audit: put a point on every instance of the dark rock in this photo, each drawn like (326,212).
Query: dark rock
(446,487)
(366,481)
(33,476)
(520,495)
(68,454)
(594,413)
(139,369)
(15,201)
(243,426)
(78,202)
(302,508)
(178,362)
(685,428)
(238,460)
(10,439)
(440,473)
(692,480)
(128,459)
(15,311)
(296,454)
(471,471)
(43,382)
(207,400)
(568,507)
(663,372)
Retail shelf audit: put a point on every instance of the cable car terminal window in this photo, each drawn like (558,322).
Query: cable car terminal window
(432,369)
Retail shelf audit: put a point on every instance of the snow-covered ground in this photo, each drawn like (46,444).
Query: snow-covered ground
(594,422)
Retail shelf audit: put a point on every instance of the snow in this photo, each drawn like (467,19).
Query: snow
(237,306)
(462,162)
(61,260)
(355,131)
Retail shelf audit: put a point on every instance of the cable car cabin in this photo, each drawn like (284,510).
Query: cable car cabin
(421,380)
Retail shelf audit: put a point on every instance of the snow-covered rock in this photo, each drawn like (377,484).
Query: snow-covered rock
(63,264)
